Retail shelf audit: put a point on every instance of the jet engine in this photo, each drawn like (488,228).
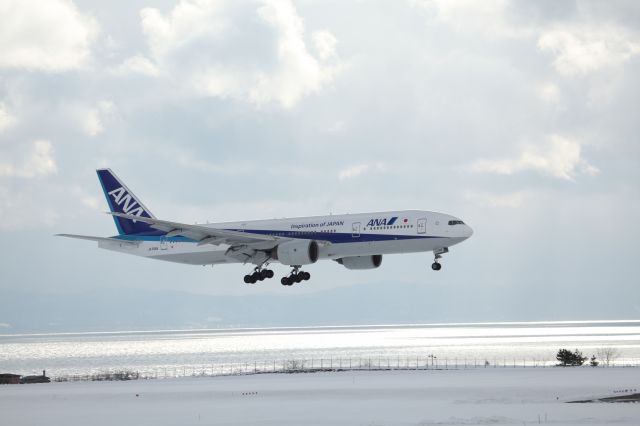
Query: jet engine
(361,262)
(296,252)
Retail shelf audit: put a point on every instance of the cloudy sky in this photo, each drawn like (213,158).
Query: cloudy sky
(519,117)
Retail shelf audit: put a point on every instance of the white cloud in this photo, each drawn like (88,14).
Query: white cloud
(202,43)
(91,202)
(558,157)
(138,64)
(111,45)
(325,44)
(192,162)
(487,18)
(359,169)
(337,127)
(91,123)
(47,35)
(91,119)
(189,20)
(579,49)
(37,161)
(6,119)
(513,200)
(46,202)
(26,207)
(579,46)
(551,94)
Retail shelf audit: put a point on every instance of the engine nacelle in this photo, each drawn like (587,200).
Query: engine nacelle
(296,252)
(361,262)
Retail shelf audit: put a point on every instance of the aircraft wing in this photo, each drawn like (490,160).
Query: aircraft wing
(243,246)
(207,235)
(100,239)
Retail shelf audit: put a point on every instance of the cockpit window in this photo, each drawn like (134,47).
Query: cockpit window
(456,222)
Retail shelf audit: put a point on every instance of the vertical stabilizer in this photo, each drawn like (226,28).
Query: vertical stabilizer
(122,200)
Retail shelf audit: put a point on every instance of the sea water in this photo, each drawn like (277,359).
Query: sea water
(491,343)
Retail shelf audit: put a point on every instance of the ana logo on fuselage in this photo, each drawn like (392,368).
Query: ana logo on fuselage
(126,202)
(382,222)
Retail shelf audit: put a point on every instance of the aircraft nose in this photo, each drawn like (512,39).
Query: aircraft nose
(468,232)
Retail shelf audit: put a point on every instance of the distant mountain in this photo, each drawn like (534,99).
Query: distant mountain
(400,303)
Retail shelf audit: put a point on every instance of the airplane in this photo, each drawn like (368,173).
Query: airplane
(355,241)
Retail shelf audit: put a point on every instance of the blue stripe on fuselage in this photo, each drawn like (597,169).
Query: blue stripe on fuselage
(336,237)
(333,237)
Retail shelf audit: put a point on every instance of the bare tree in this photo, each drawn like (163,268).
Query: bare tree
(607,355)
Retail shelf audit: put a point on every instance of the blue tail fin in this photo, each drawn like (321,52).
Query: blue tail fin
(122,200)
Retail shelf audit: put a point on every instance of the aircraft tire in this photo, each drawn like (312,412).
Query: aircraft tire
(269,273)
(285,281)
(436,266)
(306,276)
(247,279)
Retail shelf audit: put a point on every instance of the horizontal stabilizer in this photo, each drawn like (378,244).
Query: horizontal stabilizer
(99,239)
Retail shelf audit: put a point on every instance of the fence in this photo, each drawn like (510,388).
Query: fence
(324,364)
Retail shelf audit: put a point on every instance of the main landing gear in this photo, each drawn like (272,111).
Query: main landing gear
(296,276)
(437,253)
(259,274)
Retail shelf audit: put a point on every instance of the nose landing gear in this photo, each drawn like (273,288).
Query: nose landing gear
(296,276)
(437,254)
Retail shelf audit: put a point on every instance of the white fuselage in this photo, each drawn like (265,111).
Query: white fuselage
(363,234)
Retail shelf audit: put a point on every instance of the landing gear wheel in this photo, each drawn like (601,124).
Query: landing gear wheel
(436,266)
(306,276)
(247,279)
(269,273)
(285,281)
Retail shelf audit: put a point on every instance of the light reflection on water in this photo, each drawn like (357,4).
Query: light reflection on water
(83,353)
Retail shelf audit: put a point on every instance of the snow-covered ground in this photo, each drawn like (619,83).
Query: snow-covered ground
(450,397)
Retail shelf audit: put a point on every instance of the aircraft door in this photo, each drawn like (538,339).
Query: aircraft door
(422,226)
(355,229)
